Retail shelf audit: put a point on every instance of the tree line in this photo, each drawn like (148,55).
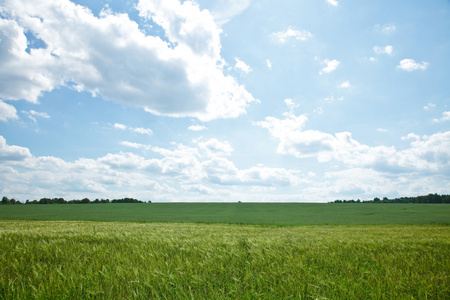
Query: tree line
(6,201)
(430,198)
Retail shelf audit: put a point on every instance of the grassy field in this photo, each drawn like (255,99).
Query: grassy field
(237,213)
(119,260)
(225,251)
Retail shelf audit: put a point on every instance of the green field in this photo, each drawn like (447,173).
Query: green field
(237,213)
(327,251)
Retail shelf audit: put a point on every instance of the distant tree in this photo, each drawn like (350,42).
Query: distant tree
(5,200)
(376,199)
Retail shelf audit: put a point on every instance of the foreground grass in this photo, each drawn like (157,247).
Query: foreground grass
(95,260)
(233,213)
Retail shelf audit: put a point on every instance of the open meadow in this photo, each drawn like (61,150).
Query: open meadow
(364,259)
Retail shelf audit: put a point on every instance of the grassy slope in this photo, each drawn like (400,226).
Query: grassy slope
(118,260)
(234,213)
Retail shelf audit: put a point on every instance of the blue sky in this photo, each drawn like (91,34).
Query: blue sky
(224,100)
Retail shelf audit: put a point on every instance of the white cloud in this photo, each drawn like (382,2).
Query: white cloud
(346,85)
(32,115)
(7,112)
(290,104)
(134,145)
(386,28)
(429,106)
(179,77)
(332,2)
(332,99)
(382,130)
(139,130)
(331,65)
(291,33)
(12,153)
(428,153)
(197,127)
(225,10)
(384,50)
(120,126)
(269,64)
(213,147)
(445,117)
(242,66)
(410,65)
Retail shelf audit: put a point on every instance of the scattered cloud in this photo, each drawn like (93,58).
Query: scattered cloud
(197,127)
(429,106)
(269,64)
(384,50)
(182,76)
(382,130)
(445,117)
(139,130)
(346,85)
(242,66)
(331,65)
(332,2)
(291,33)
(386,28)
(7,112)
(290,104)
(410,65)
(332,98)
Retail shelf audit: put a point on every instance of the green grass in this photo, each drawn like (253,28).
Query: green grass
(119,260)
(283,214)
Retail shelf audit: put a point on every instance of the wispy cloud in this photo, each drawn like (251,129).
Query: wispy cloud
(333,2)
(384,50)
(139,130)
(291,33)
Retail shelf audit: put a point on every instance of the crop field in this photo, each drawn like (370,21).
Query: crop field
(283,214)
(363,259)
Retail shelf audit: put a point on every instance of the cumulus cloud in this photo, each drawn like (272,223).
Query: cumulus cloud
(12,153)
(426,153)
(197,127)
(445,117)
(182,76)
(242,66)
(200,168)
(7,112)
(291,33)
(331,65)
(410,65)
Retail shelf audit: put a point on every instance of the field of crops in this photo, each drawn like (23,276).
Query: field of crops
(237,213)
(108,260)
(47,259)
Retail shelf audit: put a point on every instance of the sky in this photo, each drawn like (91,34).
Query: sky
(224,100)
